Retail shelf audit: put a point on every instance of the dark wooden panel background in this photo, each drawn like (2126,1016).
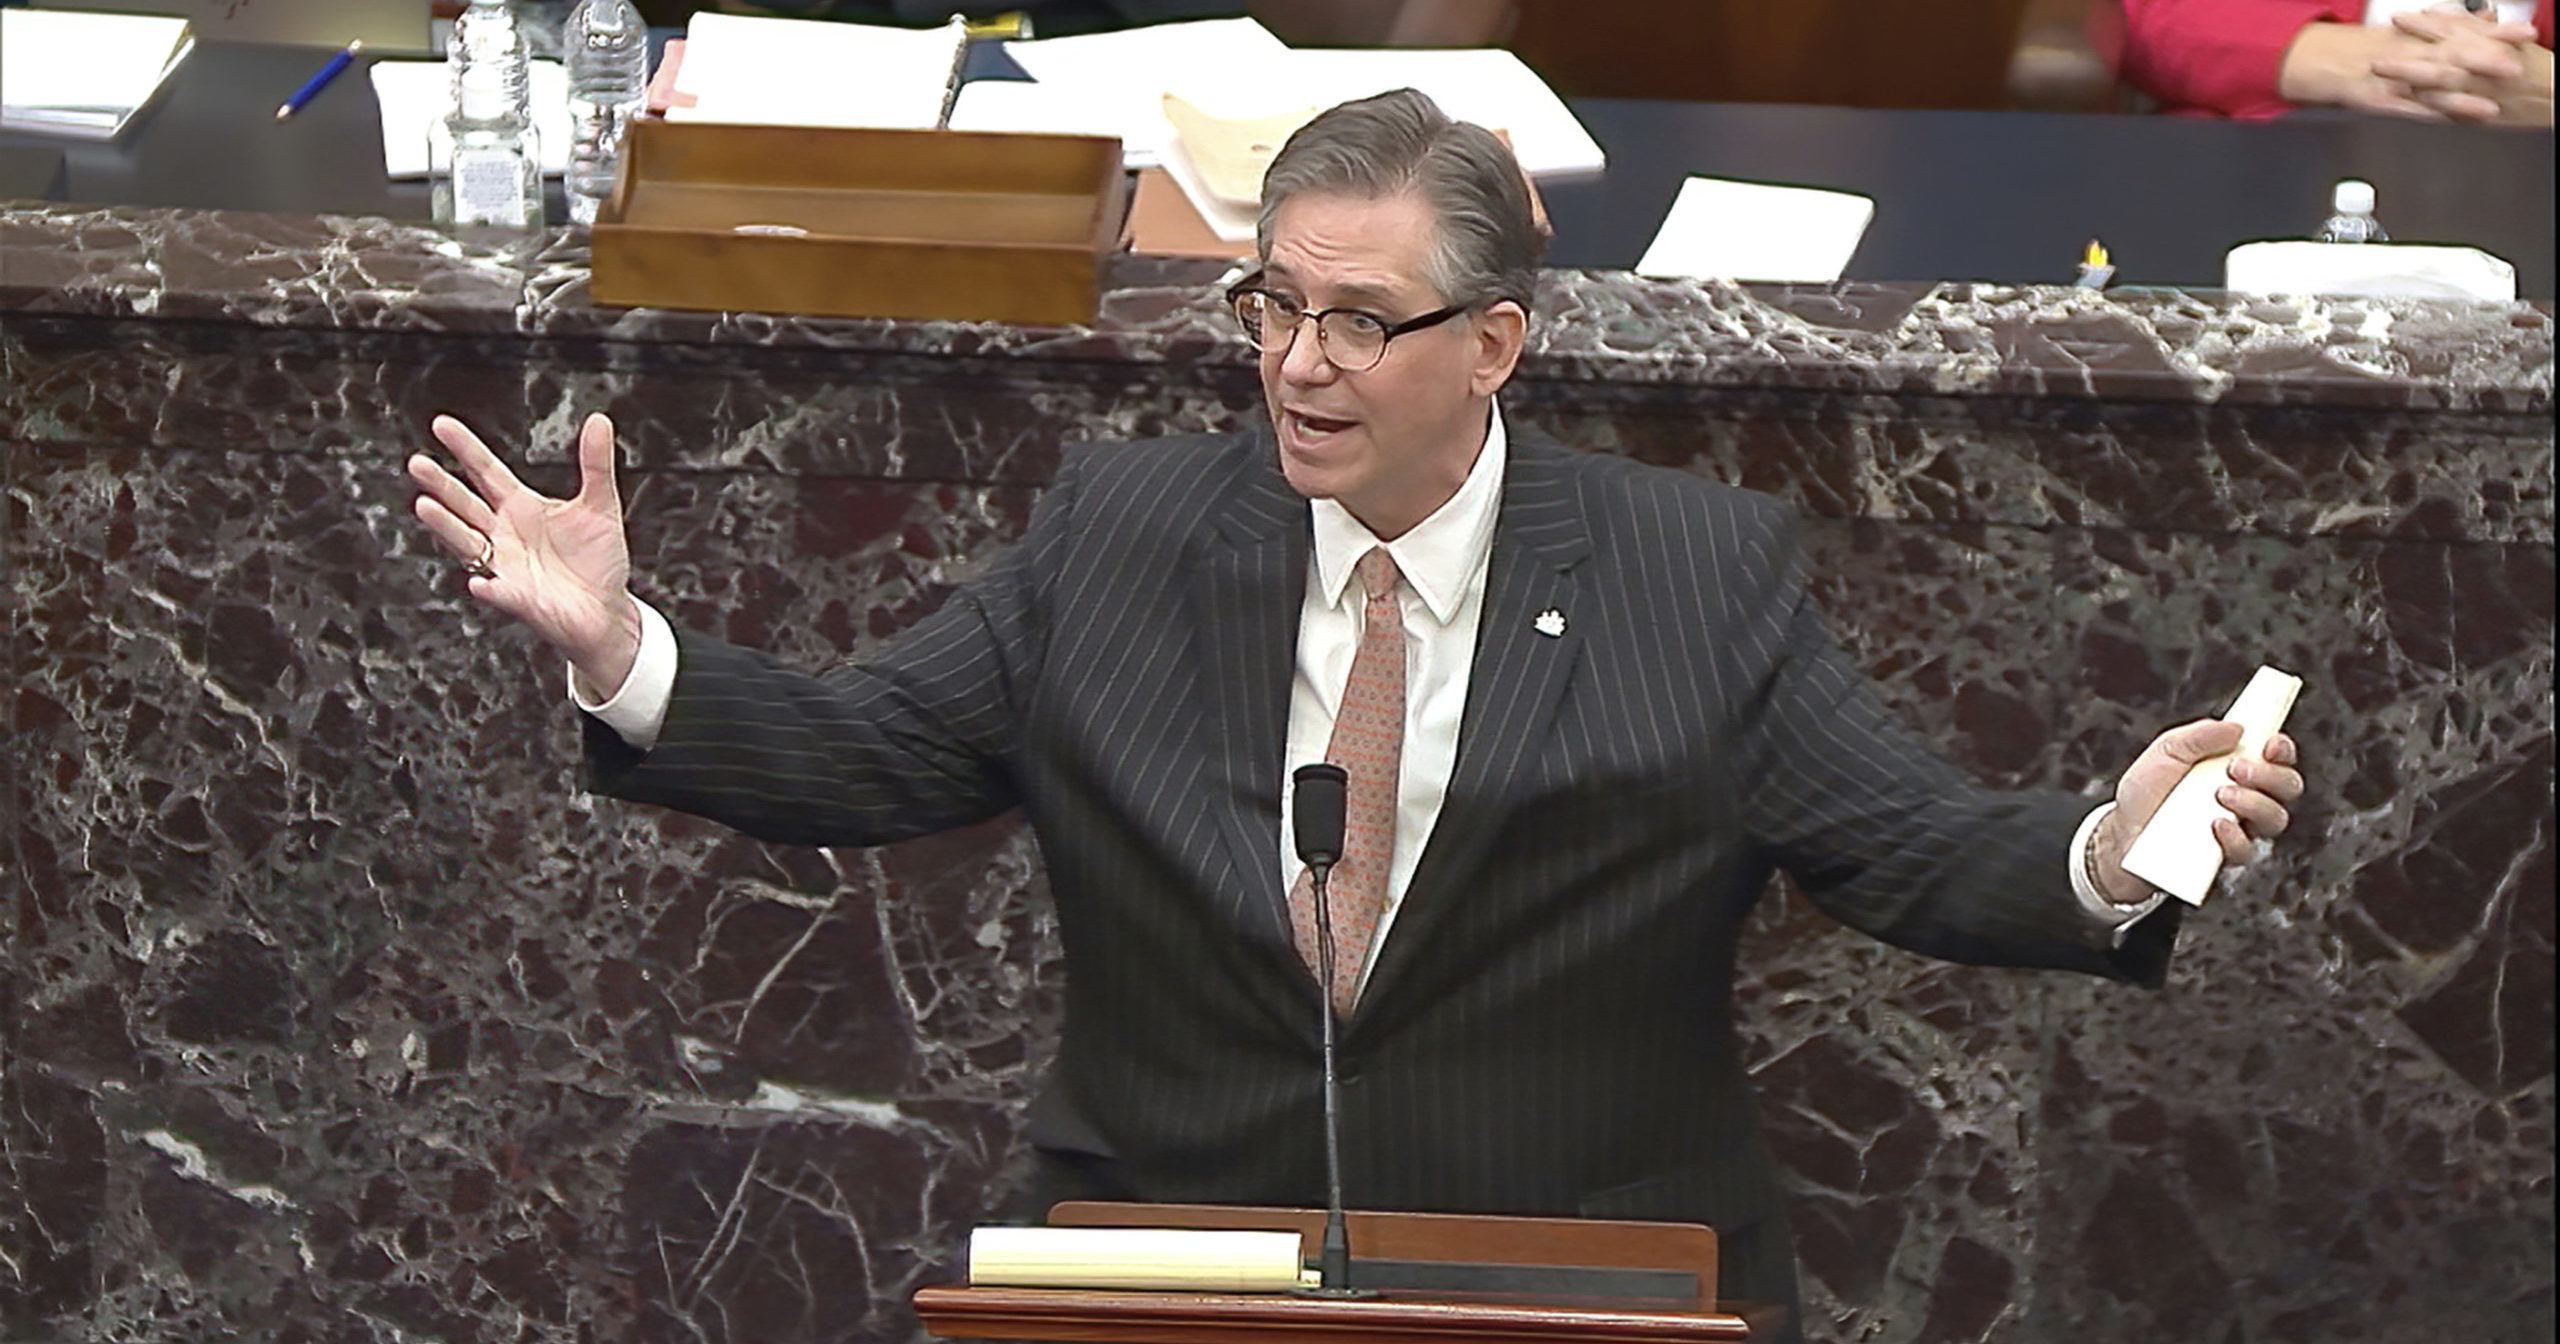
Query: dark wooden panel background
(1856,53)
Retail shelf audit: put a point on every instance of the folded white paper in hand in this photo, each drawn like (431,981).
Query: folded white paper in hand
(2176,851)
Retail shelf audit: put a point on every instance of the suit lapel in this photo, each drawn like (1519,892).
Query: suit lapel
(1519,676)
(1245,597)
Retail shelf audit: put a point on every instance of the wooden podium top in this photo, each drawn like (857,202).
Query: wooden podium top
(1132,1317)
(1213,1318)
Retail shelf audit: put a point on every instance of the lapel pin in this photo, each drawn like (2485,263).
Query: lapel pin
(1550,623)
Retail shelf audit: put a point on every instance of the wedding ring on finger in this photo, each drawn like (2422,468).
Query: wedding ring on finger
(480,566)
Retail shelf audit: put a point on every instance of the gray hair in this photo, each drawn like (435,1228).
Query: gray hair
(1487,245)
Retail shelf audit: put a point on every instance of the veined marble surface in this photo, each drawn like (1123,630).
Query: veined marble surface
(341,273)
(337,1012)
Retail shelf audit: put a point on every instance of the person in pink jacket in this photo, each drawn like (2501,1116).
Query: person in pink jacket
(2475,62)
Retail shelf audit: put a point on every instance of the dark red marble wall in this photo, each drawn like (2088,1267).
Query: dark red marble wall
(336,1011)
(2335,1122)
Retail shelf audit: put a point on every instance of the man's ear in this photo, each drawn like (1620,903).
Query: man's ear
(1501,332)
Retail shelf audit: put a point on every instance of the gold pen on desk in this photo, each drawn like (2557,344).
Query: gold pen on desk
(1012,25)
(311,87)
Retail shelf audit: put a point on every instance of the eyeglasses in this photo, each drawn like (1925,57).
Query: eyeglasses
(1353,340)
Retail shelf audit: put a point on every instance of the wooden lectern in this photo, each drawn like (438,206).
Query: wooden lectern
(1130,1317)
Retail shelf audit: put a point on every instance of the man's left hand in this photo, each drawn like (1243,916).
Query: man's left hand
(2259,798)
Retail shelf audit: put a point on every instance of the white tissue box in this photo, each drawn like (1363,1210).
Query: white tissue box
(2370,270)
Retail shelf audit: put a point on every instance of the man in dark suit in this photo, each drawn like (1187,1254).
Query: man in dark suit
(1585,706)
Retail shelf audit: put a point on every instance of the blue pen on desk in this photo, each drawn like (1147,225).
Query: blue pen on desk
(311,87)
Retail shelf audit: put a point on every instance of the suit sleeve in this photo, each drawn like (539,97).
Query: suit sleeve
(919,738)
(1886,836)
(2219,56)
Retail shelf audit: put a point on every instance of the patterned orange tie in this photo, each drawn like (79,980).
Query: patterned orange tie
(1368,743)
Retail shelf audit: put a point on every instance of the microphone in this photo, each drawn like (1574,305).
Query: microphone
(1316,810)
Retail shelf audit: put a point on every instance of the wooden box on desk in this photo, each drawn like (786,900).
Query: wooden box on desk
(860,223)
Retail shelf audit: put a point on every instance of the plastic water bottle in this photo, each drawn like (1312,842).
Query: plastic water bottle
(606,46)
(496,174)
(2351,215)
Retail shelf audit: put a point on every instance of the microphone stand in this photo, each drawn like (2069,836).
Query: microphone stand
(1319,826)
(1334,1264)
(1321,795)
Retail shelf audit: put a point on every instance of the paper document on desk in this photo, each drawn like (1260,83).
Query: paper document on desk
(384,26)
(1721,230)
(1235,68)
(1174,1259)
(1015,106)
(415,95)
(802,72)
(1114,83)
(84,76)
(1490,88)
(1485,85)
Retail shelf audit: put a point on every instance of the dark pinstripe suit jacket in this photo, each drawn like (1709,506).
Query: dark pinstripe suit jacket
(1547,1029)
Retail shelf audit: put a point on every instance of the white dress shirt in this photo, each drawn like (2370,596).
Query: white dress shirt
(1444,560)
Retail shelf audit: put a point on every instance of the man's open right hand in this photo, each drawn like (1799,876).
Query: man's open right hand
(561,566)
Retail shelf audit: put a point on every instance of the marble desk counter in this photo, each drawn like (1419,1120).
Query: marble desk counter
(351,274)
(336,1011)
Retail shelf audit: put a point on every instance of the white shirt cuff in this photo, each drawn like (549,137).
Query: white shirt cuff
(2105,912)
(638,707)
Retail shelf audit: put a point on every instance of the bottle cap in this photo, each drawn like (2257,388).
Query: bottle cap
(2354,196)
